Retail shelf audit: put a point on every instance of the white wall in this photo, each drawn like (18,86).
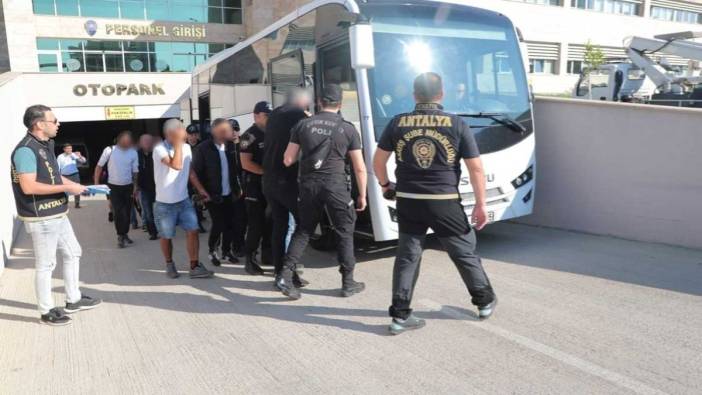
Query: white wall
(13,103)
(626,170)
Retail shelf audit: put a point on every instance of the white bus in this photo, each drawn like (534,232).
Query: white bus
(374,50)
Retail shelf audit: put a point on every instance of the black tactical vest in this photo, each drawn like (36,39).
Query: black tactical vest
(39,207)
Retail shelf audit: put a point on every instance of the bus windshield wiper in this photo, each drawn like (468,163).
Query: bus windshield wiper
(500,118)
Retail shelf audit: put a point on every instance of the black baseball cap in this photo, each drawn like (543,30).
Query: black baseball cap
(262,106)
(332,93)
(193,128)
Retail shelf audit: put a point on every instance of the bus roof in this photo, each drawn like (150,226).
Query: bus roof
(350,5)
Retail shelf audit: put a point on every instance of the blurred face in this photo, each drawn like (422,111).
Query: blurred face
(261,119)
(68,150)
(49,125)
(223,132)
(174,136)
(125,141)
(146,142)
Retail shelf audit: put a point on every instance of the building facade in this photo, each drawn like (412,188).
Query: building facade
(556,32)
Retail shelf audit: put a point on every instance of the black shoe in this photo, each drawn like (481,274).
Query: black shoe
(153,236)
(486,311)
(128,240)
(121,243)
(55,317)
(110,217)
(350,288)
(85,303)
(201,229)
(252,268)
(299,282)
(77,205)
(287,288)
(214,259)
(230,258)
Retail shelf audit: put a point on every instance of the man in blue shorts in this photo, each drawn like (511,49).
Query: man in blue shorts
(173,207)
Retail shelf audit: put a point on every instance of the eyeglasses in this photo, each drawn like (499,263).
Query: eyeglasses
(55,121)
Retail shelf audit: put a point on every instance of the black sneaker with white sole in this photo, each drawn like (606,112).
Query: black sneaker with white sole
(486,311)
(85,303)
(214,258)
(55,317)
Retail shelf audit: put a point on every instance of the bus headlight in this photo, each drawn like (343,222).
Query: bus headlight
(524,178)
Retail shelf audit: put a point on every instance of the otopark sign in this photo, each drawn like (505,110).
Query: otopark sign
(118,90)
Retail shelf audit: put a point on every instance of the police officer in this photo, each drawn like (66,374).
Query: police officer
(193,138)
(259,224)
(429,144)
(325,141)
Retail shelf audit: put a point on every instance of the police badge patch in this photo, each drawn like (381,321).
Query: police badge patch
(43,154)
(247,140)
(424,152)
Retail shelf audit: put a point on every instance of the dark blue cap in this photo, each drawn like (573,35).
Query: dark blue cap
(262,106)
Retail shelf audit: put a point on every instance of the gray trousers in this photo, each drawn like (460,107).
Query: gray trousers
(460,248)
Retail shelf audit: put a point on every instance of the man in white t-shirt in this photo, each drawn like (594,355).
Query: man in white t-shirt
(173,207)
(68,164)
(122,162)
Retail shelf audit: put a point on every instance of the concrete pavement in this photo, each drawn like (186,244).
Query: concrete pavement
(577,314)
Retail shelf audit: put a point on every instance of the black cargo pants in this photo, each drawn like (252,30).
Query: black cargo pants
(315,195)
(450,224)
(259,219)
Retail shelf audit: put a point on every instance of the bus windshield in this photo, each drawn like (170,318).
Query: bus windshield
(476,53)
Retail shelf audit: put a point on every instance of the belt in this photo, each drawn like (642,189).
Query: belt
(427,196)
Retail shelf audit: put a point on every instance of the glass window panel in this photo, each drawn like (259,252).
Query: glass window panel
(232,16)
(44,7)
(214,48)
(161,47)
(113,62)
(72,45)
(157,10)
(138,62)
(214,15)
(187,13)
(67,7)
(47,43)
(99,8)
(183,48)
(201,47)
(190,2)
(182,63)
(132,9)
(93,62)
(232,3)
(72,61)
(102,45)
(160,62)
(47,62)
(214,3)
(135,46)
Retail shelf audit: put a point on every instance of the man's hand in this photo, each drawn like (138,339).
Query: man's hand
(78,154)
(75,189)
(361,203)
(479,217)
(204,196)
(135,194)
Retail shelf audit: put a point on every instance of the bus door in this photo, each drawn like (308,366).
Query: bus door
(284,73)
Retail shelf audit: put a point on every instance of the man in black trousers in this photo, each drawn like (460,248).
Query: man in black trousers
(280,182)
(213,174)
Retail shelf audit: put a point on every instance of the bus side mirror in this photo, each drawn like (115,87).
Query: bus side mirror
(361,44)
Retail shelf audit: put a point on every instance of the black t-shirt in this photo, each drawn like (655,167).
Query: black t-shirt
(252,142)
(146,171)
(312,132)
(429,145)
(280,123)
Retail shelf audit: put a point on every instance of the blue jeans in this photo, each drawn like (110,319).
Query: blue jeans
(169,215)
(147,199)
(48,236)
